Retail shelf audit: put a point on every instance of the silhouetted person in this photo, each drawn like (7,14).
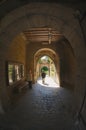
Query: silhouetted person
(43,77)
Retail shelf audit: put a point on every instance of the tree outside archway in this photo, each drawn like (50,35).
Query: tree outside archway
(44,68)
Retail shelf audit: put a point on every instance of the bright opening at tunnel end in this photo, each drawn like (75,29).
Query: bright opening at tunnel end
(49,82)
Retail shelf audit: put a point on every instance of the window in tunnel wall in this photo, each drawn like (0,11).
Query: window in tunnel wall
(14,72)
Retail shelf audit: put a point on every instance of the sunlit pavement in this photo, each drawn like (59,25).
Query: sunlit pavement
(49,82)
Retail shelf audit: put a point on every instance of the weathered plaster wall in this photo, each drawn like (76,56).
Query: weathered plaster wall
(16,52)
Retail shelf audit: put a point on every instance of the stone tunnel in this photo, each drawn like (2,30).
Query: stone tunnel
(37,29)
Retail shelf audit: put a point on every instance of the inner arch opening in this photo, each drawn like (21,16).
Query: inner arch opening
(46,65)
(47,60)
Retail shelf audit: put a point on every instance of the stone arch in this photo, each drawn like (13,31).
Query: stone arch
(40,15)
(52,54)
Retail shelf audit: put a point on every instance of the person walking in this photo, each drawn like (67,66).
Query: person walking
(43,77)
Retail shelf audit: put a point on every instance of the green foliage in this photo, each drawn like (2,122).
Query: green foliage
(44,68)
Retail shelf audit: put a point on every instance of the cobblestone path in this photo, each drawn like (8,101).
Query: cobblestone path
(41,108)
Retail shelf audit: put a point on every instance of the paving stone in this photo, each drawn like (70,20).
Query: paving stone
(41,108)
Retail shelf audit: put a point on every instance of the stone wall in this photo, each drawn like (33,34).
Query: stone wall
(81,90)
(16,52)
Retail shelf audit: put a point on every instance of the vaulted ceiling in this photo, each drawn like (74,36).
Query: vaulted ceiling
(8,5)
(44,35)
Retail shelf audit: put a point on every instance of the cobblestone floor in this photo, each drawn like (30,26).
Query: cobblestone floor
(41,108)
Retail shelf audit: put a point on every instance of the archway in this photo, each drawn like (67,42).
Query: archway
(46,65)
(42,19)
(54,58)
(34,15)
